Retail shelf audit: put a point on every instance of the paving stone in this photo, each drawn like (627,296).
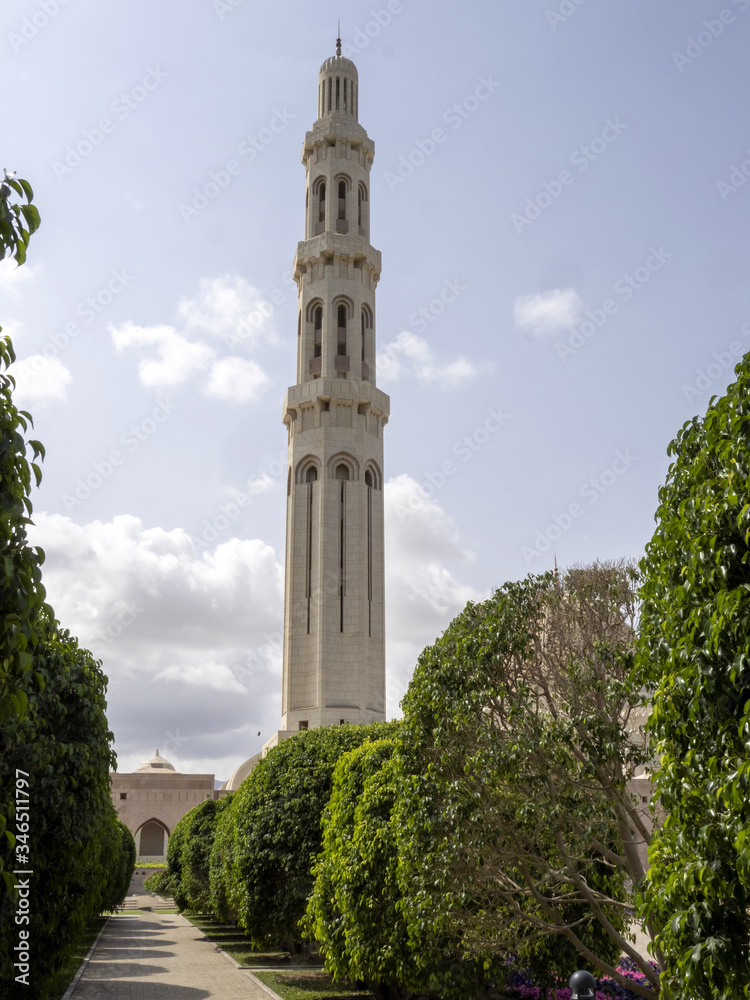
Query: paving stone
(160,956)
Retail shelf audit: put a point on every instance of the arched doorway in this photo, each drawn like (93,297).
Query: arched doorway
(151,840)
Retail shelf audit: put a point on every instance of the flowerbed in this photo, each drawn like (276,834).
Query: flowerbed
(606,988)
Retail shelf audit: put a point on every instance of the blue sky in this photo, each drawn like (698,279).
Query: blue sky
(560,196)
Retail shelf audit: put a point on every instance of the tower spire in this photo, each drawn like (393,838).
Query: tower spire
(338,39)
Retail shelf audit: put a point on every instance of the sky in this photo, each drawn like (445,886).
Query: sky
(560,194)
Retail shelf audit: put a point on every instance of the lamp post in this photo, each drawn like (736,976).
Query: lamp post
(582,986)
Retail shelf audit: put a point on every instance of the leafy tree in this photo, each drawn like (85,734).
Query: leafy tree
(221,862)
(694,648)
(73,841)
(353,910)
(21,590)
(516,827)
(121,865)
(188,856)
(277,811)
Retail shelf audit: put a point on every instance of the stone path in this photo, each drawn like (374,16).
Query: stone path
(160,956)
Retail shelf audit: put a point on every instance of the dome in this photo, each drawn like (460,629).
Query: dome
(339,64)
(156,763)
(240,774)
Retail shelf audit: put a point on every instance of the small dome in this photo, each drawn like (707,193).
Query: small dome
(241,773)
(339,64)
(156,763)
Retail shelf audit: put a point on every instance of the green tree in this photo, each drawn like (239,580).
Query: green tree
(221,862)
(522,727)
(694,649)
(120,858)
(21,590)
(278,810)
(353,911)
(63,745)
(187,877)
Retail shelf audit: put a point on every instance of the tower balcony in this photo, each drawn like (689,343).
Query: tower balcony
(361,394)
(331,244)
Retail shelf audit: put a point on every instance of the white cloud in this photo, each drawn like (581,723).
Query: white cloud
(184,637)
(174,358)
(236,380)
(230,308)
(40,380)
(422,594)
(226,308)
(192,641)
(13,277)
(547,312)
(409,354)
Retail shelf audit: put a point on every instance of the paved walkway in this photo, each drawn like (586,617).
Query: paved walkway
(160,956)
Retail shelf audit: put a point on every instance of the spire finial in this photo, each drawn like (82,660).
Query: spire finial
(338,39)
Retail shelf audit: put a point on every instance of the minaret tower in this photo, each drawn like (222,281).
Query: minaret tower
(334,614)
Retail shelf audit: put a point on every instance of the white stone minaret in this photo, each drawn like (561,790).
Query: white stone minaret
(334,620)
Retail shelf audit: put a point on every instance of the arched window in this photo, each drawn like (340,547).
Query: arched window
(318,332)
(311,475)
(342,471)
(322,202)
(366,324)
(338,93)
(368,478)
(341,330)
(361,199)
(342,200)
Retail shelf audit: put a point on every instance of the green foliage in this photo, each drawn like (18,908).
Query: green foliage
(694,649)
(74,839)
(18,220)
(353,911)
(158,882)
(277,813)
(188,856)
(121,866)
(515,827)
(221,862)
(21,590)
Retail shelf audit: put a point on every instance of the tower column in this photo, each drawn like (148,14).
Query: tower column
(334,600)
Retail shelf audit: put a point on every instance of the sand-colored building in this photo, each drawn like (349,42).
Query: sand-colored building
(152,799)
